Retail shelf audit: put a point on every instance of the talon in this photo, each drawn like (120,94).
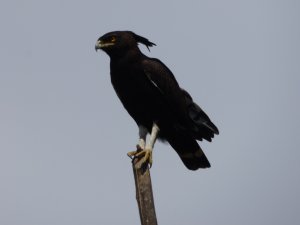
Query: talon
(143,157)
(133,154)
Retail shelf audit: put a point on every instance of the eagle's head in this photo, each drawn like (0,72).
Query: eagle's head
(117,42)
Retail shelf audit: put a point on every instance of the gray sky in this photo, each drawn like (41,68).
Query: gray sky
(64,134)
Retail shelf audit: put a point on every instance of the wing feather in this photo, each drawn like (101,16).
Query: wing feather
(190,116)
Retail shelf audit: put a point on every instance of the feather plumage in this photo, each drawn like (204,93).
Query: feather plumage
(150,93)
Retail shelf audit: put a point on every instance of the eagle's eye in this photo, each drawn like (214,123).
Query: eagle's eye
(113,39)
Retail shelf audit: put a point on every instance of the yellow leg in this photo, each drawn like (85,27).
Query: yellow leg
(144,154)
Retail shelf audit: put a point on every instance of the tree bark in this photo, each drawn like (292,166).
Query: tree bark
(144,195)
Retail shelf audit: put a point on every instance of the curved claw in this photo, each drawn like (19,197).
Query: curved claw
(133,154)
(143,156)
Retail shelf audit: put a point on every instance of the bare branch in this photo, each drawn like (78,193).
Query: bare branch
(144,195)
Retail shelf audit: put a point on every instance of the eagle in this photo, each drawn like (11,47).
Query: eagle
(151,95)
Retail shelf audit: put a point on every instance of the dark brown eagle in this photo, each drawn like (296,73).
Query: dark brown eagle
(151,95)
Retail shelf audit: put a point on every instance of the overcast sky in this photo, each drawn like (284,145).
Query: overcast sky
(64,134)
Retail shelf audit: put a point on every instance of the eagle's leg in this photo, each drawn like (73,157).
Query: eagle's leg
(145,155)
(142,141)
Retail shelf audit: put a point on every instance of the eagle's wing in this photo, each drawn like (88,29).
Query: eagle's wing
(203,127)
(165,83)
(189,114)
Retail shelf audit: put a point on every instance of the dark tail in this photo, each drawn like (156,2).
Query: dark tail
(189,151)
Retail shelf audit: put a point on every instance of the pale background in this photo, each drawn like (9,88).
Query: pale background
(64,134)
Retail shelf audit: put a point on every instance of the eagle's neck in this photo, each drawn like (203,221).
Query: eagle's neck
(123,59)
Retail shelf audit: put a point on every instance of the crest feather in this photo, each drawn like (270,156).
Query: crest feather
(144,41)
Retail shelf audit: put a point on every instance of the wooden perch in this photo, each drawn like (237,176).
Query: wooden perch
(144,194)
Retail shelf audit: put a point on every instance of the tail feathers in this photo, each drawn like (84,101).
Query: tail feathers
(189,151)
(195,160)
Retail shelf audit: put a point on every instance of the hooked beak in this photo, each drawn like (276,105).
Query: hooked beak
(101,45)
(98,45)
